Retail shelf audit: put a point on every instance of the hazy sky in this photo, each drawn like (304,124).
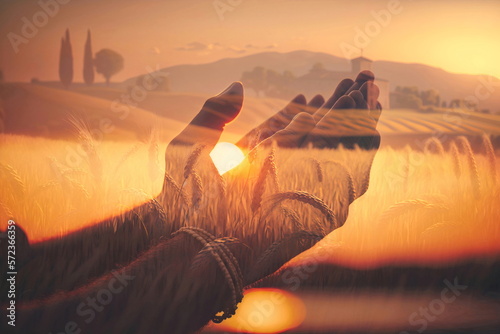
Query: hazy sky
(458,36)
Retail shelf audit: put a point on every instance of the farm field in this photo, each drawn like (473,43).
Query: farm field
(45,111)
(431,208)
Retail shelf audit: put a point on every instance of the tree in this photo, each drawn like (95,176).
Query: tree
(108,62)
(443,104)
(406,97)
(279,85)
(411,90)
(317,69)
(1,76)
(88,62)
(66,61)
(255,79)
(430,97)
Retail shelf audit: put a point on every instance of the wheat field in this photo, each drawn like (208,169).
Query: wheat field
(422,206)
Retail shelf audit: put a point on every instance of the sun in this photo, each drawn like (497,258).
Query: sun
(226,156)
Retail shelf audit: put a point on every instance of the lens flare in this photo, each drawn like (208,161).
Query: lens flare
(226,156)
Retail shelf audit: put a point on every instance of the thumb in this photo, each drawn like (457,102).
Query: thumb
(207,126)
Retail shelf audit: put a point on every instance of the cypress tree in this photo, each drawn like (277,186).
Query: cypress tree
(88,62)
(66,61)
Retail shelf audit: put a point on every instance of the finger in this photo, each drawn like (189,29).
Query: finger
(325,133)
(375,113)
(316,101)
(293,135)
(341,89)
(370,93)
(358,97)
(345,102)
(207,126)
(362,77)
(273,124)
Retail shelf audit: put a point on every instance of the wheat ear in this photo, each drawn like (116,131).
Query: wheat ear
(293,216)
(192,160)
(433,146)
(350,181)
(304,197)
(269,167)
(464,144)
(457,164)
(318,168)
(197,189)
(490,154)
(405,206)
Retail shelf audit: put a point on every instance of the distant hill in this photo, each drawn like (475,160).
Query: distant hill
(36,110)
(213,77)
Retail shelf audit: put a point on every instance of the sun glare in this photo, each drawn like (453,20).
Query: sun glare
(226,156)
(265,311)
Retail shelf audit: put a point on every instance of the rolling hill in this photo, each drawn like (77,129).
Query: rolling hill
(214,77)
(36,110)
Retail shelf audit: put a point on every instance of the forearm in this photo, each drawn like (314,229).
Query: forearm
(159,291)
(71,261)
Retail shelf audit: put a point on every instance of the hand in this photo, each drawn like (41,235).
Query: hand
(349,117)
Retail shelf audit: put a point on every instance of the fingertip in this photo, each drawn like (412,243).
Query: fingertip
(299,99)
(304,121)
(364,76)
(341,89)
(345,102)
(358,97)
(236,88)
(317,101)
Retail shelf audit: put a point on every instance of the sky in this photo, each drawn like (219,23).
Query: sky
(458,36)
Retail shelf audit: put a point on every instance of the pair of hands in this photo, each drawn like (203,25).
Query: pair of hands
(349,117)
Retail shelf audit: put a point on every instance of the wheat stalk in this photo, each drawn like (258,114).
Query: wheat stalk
(303,197)
(76,185)
(351,190)
(170,182)
(153,153)
(221,183)
(197,187)
(193,160)
(269,167)
(465,147)
(88,144)
(16,184)
(457,164)
(293,216)
(405,206)
(319,227)
(433,146)
(490,153)
(317,168)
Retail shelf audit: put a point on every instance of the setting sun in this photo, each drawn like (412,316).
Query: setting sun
(226,156)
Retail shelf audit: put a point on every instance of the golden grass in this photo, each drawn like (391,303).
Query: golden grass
(50,192)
